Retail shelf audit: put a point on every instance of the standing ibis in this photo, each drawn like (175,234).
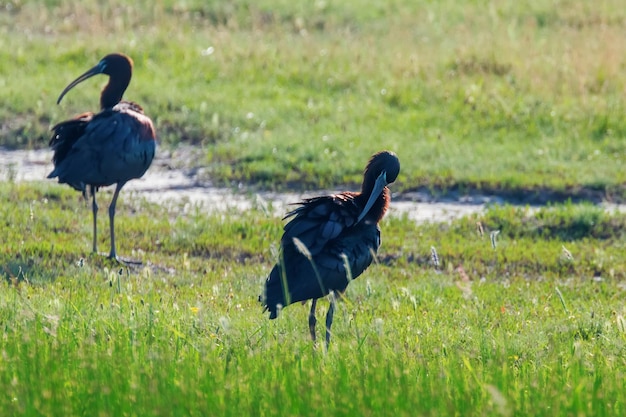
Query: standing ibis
(329,241)
(110,147)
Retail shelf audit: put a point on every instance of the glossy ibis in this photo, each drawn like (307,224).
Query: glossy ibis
(329,241)
(111,147)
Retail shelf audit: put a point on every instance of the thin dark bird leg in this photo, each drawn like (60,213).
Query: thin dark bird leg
(312,319)
(94,209)
(329,317)
(118,187)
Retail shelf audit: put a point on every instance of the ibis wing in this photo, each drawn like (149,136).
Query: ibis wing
(342,260)
(65,135)
(320,220)
(356,250)
(338,249)
(113,148)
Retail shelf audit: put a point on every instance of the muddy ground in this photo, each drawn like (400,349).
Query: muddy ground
(177,179)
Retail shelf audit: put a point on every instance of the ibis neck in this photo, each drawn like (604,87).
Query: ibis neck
(378,210)
(113,92)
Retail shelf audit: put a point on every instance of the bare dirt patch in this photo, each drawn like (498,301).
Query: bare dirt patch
(175,180)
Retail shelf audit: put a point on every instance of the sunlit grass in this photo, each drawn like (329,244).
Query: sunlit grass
(522,329)
(514,97)
(500,96)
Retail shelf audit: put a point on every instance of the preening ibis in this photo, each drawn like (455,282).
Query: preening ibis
(111,147)
(329,241)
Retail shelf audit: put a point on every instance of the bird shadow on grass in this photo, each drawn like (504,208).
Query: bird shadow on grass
(34,270)
(26,271)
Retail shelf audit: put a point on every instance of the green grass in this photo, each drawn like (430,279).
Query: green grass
(519,330)
(520,98)
(513,97)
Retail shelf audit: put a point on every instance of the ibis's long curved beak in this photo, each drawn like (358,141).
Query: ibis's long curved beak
(94,71)
(379,185)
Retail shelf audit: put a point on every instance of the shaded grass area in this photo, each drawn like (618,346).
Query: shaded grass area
(513,97)
(522,329)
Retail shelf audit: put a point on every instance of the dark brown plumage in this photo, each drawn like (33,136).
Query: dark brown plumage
(110,147)
(331,240)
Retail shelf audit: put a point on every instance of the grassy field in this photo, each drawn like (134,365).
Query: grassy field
(505,96)
(523,99)
(526,329)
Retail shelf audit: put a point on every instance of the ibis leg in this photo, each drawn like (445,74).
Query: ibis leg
(312,319)
(94,209)
(118,188)
(329,318)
